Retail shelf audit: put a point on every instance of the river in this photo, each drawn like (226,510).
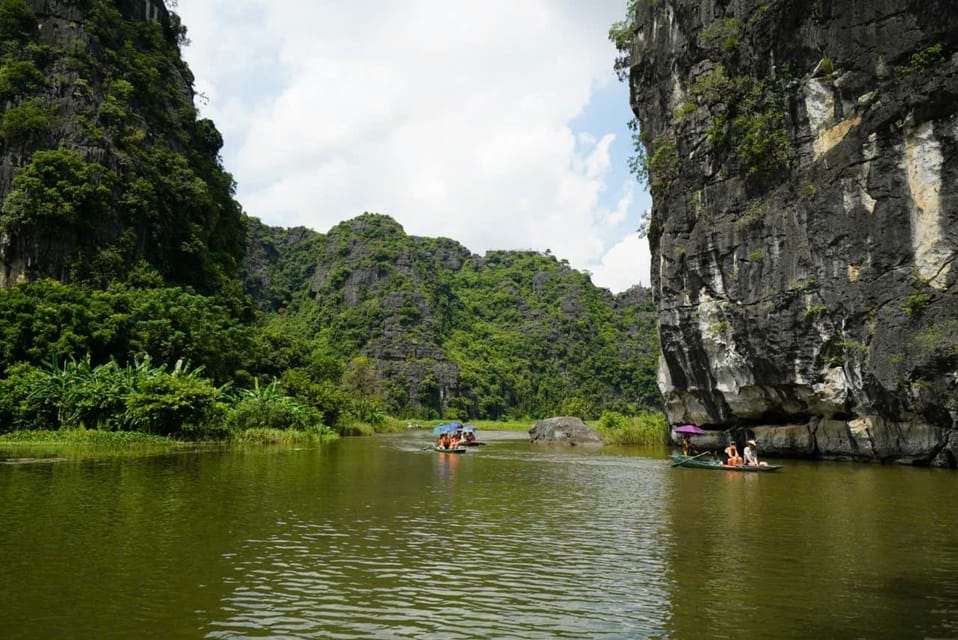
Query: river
(377,538)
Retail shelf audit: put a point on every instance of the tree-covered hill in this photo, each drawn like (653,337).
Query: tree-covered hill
(103,161)
(449,332)
(136,296)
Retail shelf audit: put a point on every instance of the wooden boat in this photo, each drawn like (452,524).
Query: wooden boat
(708,463)
(453,450)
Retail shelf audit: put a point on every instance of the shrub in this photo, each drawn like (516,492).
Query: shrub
(28,120)
(721,35)
(17,24)
(169,403)
(660,169)
(647,429)
(266,435)
(267,408)
(611,420)
(18,77)
(815,310)
(926,58)
(916,303)
(57,187)
(577,407)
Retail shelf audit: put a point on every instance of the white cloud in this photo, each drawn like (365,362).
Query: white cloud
(452,117)
(629,256)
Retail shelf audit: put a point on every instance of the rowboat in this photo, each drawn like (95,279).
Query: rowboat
(699,463)
(453,450)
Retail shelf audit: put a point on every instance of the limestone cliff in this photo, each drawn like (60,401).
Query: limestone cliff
(103,162)
(802,160)
(450,332)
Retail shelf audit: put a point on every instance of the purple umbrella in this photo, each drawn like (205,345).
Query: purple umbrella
(690,429)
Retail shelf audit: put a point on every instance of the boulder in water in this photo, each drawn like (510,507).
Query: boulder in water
(564,429)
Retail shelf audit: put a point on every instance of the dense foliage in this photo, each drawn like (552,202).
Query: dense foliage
(111,163)
(132,311)
(455,335)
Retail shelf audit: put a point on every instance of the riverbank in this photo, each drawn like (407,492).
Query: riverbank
(97,438)
(646,429)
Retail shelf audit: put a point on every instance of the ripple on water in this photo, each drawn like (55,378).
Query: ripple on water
(519,562)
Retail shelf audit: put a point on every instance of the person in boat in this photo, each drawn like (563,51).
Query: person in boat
(734,460)
(454,441)
(470,436)
(751,454)
(688,449)
(443,441)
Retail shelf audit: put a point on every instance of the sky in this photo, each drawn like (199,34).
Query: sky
(497,123)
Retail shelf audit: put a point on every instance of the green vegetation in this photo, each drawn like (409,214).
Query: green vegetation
(723,35)
(928,58)
(802,284)
(135,315)
(647,429)
(660,169)
(687,108)
(82,436)
(131,170)
(827,67)
(19,77)
(25,122)
(938,341)
(265,435)
(621,34)
(512,335)
(755,212)
(521,335)
(56,189)
(815,310)
(720,327)
(916,303)
(748,126)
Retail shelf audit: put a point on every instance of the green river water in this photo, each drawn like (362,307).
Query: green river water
(376,538)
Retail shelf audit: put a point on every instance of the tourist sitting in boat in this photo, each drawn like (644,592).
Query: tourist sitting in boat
(443,441)
(734,460)
(470,436)
(454,441)
(688,449)
(751,454)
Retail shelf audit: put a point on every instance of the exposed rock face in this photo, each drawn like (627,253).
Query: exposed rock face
(802,159)
(103,162)
(451,333)
(563,429)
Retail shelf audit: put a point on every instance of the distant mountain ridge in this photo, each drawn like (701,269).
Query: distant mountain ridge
(120,222)
(510,331)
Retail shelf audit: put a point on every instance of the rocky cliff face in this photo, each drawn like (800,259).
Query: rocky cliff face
(103,162)
(454,333)
(802,159)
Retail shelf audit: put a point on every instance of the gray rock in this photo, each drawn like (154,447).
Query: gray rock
(564,429)
(812,281)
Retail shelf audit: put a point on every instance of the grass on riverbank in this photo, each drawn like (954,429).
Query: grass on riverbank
(647,429)
(265,435)
(84,436)
(95,438)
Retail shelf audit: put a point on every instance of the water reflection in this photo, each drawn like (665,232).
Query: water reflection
(378,538)
(445,465)
(492,550)
(821,550)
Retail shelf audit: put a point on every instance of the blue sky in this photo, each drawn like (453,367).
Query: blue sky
(498,123)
